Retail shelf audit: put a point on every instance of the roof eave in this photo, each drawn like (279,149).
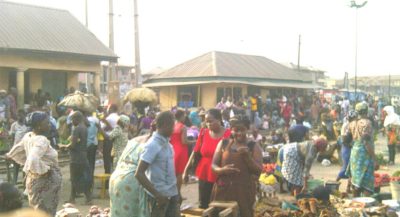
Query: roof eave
(221,78)
(111,58)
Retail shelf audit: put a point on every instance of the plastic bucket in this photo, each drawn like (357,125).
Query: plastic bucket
(313,184)
(395,189)
(333,186)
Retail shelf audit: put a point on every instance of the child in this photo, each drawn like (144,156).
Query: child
(277,137)
(265,125)
(62,127)
(17,132)
(18,128)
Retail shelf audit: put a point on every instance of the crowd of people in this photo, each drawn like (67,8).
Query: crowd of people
(150,156)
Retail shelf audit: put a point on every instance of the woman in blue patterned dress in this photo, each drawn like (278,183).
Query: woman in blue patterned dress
(362,159)
(126,194)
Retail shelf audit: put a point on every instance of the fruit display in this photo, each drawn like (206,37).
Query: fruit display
(381,179)
(269,168)
(96,211)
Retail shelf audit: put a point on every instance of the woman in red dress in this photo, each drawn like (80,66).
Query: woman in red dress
(180,144)
(207,143)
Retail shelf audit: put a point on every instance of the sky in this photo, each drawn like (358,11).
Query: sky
(173,31)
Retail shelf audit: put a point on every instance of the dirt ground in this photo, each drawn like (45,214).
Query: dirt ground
(190,191)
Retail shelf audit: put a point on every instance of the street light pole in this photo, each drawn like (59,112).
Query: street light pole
(356,6)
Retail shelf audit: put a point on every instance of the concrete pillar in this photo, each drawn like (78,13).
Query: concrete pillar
(21,87)
(96,84)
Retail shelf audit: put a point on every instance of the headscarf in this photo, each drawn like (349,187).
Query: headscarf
(362,106)
(352,114)
(391,117)
(320,142)
(124,119)
(34,118)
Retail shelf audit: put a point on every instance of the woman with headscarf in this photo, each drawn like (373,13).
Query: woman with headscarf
(238,164)
(346,141)
(195,118)
(362,158)
(206,144)
(297,162)
(40,160)
(119,136)
(391,124)
(127,196)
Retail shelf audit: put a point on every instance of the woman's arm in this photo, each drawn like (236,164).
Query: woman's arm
(366,137)
(196,148)
(309,159)
(145,182)
(254,159)
(216,162)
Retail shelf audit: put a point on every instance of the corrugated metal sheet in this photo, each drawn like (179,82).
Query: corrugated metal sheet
(34,28)
(232,65)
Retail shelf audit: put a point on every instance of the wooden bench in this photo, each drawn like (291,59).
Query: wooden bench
(103,178)
(229,209)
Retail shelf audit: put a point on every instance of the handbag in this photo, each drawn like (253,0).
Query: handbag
(197,154)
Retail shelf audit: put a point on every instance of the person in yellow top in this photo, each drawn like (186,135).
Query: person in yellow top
(253,107)
(100,133)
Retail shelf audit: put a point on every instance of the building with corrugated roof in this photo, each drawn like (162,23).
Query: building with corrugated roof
(46,48)
(202,81)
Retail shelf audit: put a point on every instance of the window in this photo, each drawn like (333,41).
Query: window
(251,90)
(235,93)
(188,96)
(220,93)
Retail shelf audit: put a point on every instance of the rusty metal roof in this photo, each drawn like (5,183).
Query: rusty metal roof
(223,64)
(47,30)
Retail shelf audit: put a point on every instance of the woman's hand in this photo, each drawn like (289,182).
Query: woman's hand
(229,169)
(185,178)
(304,189)
(376,165)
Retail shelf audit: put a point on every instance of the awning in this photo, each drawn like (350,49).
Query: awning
(260,84)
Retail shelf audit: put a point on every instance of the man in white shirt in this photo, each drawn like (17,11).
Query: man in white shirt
(110,122)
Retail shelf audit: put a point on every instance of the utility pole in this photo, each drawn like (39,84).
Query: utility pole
(87,77)
(113,84)
(356,6)
(390,97)
(298,54)
(86,14)
(138,73)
